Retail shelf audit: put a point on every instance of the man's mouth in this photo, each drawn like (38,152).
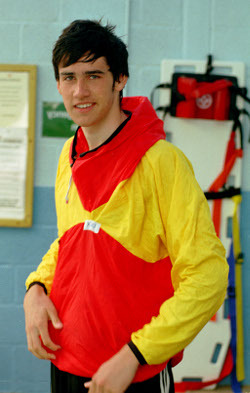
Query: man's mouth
(84,106)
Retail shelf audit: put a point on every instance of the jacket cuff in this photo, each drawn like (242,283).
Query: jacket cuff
(38,283)
(137,353)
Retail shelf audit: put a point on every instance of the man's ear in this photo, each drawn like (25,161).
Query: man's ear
(121,83)
(58,86)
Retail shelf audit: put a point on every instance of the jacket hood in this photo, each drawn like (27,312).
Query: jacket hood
(98,172)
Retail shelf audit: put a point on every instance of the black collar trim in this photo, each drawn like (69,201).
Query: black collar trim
(112,136)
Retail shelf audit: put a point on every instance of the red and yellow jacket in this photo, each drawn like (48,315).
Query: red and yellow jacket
(137,257)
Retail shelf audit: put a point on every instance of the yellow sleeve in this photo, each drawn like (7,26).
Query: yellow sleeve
(200,270)
(46,270)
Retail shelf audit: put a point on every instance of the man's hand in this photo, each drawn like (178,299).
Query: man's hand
(115,375)
(39,309)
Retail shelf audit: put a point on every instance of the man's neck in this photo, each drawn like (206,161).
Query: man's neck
(96,135)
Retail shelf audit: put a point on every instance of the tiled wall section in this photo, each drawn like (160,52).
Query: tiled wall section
(20,252)
(245,239)
(155,30)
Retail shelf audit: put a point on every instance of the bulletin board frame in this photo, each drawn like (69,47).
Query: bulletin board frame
(27,73)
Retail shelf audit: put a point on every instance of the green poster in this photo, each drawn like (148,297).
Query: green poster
(56,121)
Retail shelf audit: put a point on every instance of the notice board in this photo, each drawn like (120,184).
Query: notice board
(17,134)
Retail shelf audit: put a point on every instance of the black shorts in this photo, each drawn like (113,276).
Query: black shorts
(62,382)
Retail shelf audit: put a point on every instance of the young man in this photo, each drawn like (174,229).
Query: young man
(137,269)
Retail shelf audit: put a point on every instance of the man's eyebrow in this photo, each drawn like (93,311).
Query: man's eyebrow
(94,72)
(67,73)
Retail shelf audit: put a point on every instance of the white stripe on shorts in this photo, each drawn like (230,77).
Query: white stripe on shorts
(164,381)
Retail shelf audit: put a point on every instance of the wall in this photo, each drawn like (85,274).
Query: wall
(187,29)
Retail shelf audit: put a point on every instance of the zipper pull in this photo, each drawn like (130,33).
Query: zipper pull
(67,194)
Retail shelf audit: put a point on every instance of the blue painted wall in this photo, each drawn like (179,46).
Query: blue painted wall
(155,30)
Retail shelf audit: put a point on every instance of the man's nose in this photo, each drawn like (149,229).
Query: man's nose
(81,89)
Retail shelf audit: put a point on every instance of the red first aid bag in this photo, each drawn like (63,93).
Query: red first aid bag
(203,96)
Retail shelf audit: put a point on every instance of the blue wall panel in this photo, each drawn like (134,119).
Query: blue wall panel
(20,252)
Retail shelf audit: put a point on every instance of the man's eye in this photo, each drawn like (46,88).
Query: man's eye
(69,78)
(92,77)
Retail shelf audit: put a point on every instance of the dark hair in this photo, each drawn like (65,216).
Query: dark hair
(90,38)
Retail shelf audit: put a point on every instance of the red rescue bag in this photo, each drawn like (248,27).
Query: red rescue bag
(203,96)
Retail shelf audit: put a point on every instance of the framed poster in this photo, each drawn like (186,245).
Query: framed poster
(17,134)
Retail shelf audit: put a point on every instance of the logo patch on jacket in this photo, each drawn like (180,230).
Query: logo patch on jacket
(93,226)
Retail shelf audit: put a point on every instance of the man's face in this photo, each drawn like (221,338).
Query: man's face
(89,92)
